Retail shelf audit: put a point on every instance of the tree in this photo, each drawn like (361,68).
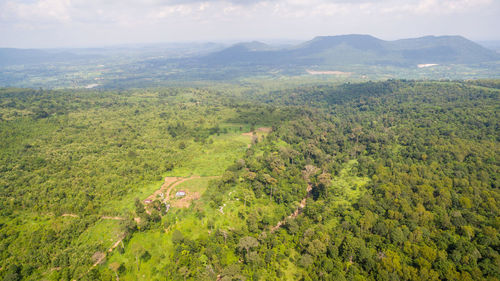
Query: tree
(184,271)
(177,237)
(397,236)
(248,243)
(316,248)
(139,207)
(115,267)
(12,273)
(246,195)
(138,251)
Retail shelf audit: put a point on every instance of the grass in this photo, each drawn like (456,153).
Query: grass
(194,185)
(211,159)
(348,188)
(126,203)
(157,243)
(103,232)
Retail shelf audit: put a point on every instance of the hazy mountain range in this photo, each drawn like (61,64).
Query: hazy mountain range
(323,50)
(357,49)
(344,57)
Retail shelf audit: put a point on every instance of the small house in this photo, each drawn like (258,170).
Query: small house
(180,194)
(148,201)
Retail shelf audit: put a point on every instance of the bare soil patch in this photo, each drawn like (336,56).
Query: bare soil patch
(169,185)
(164,188)
(167,195)
(329,72)
(70,215)
(112,218)
(266,130)
(185,201)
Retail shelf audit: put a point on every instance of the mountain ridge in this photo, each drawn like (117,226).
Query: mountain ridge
(362,49)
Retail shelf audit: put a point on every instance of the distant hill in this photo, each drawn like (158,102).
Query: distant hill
(357,49)
(247,52)
(11,56)
(339,50)
(492,45)
(443,49)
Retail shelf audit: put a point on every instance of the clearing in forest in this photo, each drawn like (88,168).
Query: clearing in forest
(164,189)
(328,72)
(257,134)
(259,131)
(193,186)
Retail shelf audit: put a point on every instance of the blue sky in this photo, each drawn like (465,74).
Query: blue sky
(84,23)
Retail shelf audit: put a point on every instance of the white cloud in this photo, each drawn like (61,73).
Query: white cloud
(42,10)
(433,7)
(204,19)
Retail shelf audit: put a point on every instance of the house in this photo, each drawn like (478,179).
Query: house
(148,201)
(180,194)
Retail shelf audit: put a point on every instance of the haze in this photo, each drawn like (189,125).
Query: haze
(85,23)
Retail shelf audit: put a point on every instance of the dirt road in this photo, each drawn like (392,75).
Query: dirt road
(297,211)
(164,187)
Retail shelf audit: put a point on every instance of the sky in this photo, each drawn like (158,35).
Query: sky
(94,23)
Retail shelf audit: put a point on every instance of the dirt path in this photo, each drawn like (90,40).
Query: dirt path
(71,215)
(169,185)
(181,180)
(169,181)
(101,259)
(112,218)
(296,212)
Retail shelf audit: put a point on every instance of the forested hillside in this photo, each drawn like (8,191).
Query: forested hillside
(394,180)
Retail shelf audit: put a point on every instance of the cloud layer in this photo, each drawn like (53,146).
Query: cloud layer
(48,23)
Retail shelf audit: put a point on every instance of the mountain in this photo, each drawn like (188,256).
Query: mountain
(443,49)
(246,52)
(357,49)
(491,44)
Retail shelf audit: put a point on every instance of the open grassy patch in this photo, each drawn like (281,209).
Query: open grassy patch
(347,187)
(211,159)
(193,190)
(103,232)
(144,255)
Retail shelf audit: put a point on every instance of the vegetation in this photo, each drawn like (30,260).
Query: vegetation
(394,180)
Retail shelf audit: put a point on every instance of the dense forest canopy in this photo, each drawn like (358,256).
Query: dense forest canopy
(393,180)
